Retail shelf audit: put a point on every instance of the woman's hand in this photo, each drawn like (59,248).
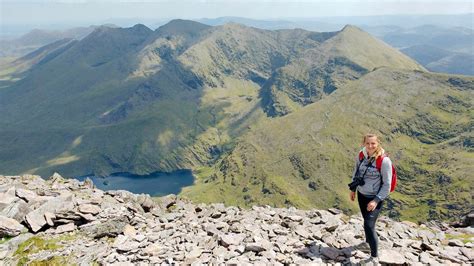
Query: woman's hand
(371,206)
(353,195)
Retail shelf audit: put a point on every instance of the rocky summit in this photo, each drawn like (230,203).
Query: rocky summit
(64,221)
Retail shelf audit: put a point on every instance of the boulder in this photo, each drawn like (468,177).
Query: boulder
(391,257)
(16,210)
(27,195)
(231,239)
(36,220)
(89,208)
(65,228)
(110,228)
(9,227)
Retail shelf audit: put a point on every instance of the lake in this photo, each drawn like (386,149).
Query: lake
(156,184)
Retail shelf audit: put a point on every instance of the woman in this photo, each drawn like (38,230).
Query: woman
(372,186)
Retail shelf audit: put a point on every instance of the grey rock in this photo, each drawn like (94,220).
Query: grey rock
(9,227)
(282,247)
(146,202)
(269,254)
(334,211)
(456,243)
(331,227)
(391,257)
(65,228)
(231,239)
(469,253)
(167,201)
(450,253)
(155,249)
(111,228)
(294,218)
(16,210)
(48,216)
(194,254)
(88,217)
(426,258)
(129,231)
(255,247)
(8,197)
(89,208)
(424,246)
(301,231)
(26,194)
(35,218)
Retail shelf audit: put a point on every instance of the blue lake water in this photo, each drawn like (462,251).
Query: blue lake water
(156,184)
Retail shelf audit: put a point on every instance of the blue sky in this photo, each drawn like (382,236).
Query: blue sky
(99,11)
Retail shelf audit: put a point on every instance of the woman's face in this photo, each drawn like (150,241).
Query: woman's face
(371,144)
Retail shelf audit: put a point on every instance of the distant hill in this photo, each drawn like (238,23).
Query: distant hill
(16,68)
(440,60)
(229,102)
(365,22)
(456,39)
(438,49)
(37,38)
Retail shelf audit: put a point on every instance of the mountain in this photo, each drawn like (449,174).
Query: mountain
(186,89)
(305,159)
(372,24)
(37,38)
(453,34)
(439,60)
(340,58)
(188,95)
(15,69)
(256,23)
(455,39)
(438,49)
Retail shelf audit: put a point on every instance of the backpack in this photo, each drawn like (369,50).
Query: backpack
(378,165)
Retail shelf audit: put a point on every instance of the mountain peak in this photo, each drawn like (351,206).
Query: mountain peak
(367,51)
(351,28)
(181,26)
(140,28)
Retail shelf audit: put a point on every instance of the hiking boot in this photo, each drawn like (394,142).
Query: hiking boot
(364,247)
(372,261)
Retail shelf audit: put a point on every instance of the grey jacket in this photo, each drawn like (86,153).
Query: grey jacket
(376,183)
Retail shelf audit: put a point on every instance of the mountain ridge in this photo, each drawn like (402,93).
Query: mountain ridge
(137,100)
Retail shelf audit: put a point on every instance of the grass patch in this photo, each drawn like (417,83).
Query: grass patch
(36,244)
(5,239)
(55,260)
(465,238)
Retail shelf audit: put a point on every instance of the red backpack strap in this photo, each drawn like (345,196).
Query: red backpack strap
(378,162)
(361,156)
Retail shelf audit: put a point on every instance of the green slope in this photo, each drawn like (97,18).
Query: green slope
(305,158)
(334,60)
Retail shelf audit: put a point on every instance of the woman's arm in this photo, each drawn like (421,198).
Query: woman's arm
(356,166)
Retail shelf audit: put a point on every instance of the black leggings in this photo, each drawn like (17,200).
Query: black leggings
(369,222)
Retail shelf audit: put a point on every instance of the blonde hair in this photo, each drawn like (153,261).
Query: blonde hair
(379,151)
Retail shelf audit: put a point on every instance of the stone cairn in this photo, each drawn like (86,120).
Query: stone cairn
(118,227)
